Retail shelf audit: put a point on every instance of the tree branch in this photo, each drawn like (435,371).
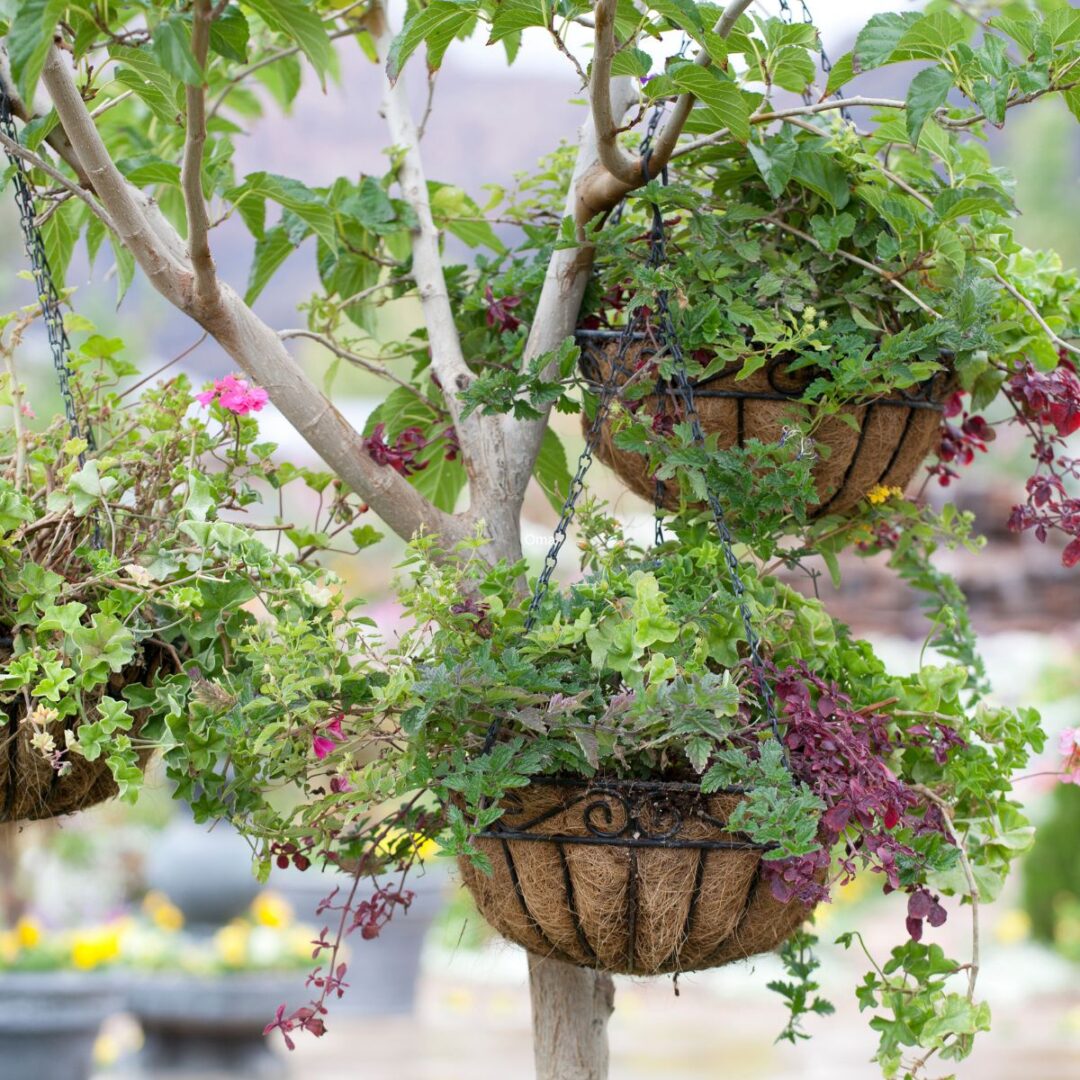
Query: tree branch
(251,343)
(480,436)
(36,162)
(137,223)
(198,219)
(620,163)
(56,138)
(672,129)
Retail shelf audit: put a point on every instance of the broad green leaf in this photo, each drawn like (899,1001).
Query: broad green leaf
(436,25)
(365,535)
(29,39)
(105,643)
(775,159)
(149,169)
(724,103)
(634,62)
(88,486)
(14,508)
(927,91)
(229,35)
(171,44)
(794,69)
(453,209)
(930,38)
(843,71)
(250,196)
(59,235)
(821,174)
(141,73)
(961,202)
(301,23)
(683,15)
(271,250)
(1063,25)
(879,37)
(513,16)
(552,472)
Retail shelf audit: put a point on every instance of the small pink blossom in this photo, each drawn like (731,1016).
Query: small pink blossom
(333,728)
(1069,745)
(323,746)
(25,409)
(340,784)
(236,395)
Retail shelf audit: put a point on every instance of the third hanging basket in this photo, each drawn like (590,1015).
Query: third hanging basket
(631,877)
(888,442)
(30,788)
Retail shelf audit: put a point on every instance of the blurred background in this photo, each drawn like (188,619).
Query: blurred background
(143,940)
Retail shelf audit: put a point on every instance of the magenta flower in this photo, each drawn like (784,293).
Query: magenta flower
(333,729)
(323,746)
(340,784)
(236,395)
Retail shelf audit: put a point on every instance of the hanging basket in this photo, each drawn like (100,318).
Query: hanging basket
(30,788)
(889,441)
(631,877)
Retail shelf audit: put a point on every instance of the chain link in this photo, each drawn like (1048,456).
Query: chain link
(48,296)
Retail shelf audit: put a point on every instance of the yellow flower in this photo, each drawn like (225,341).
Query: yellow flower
(9,946)
(880,494)
(231,943)
(95,946)
(27,933)
(162,911)
(270,909)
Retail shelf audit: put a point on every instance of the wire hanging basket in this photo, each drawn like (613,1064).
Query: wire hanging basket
(880,442)
(631,877)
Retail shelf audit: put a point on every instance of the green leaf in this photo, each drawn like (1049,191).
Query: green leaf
(817,171)
(724,103)
(879,37)
(775,159)
(141,73)
(14,508)
(843,71)
(171,44)
(229,35)
(88,486)
(927,91)
(552,472)
(633,62)
(365,535)
(437,25)
(105,643)
(300,22)
(512,16)
(29,39)
(829,231)
(149,169)
(271,250)
(930,37)
(250,197)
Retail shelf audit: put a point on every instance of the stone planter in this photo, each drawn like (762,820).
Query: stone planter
(49,1022)
(196,1026)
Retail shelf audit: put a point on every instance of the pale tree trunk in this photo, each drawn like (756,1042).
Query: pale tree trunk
(570,1010)
(571,1005)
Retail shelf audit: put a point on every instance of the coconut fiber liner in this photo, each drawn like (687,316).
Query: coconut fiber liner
(30,789)
(617,903)
(891,438)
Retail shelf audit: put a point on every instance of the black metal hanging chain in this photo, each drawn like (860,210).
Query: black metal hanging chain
(48,295)
(684,391)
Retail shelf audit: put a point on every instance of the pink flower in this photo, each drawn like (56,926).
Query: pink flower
(236,395)
(323,746)
(340,784)
(333,729)
(1069,745)
(25,409)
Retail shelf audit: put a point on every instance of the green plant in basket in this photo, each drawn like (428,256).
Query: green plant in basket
(127,568)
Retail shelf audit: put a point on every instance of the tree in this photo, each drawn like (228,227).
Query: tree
(170,76)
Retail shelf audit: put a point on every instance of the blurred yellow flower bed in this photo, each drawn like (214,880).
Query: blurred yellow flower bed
(266,938)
